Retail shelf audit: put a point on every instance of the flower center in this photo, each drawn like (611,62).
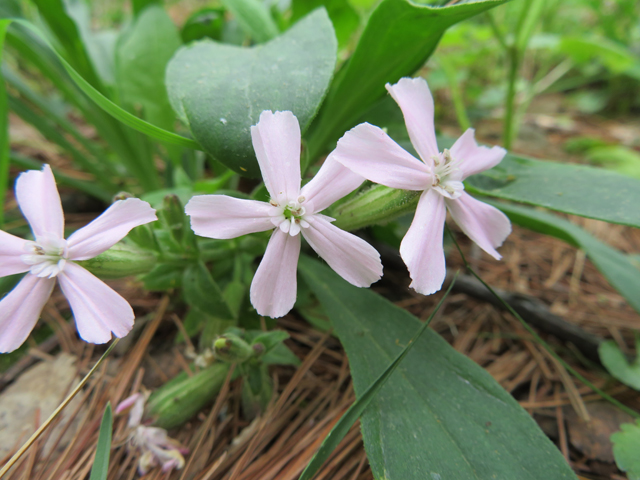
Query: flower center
(447,177)
(291,216)
(47,256)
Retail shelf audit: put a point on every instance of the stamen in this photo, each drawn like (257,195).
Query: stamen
(47,256)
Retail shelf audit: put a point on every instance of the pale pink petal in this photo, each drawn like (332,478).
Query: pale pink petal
(274,286)
(332,182)
(39,201)
(11,248)
(372,154)
(109,228)
(351,257)
(421,248)
(485,225)
(127,403)
(20,310)
(472,158)
(276,141)
(223,217)
(97,309)
(414,99)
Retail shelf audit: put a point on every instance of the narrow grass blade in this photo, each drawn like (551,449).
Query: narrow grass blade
(16,456)
(90,188)
(110,107)
(350,417)
(4,128)
(100,468)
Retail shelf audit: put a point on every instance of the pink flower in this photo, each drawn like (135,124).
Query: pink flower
(293,211)
(97,309)
(370,152)
(153,443)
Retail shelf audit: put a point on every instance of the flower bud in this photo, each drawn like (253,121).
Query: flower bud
(182,397)
(377,204)
(121,260)
(231,348)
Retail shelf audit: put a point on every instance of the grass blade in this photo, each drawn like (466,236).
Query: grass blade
(107,105)
(350,417)
(4,128)
(16,456)
(100,468)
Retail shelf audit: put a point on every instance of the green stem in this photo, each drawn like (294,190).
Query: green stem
(456,93)
(510,101)
(539,339)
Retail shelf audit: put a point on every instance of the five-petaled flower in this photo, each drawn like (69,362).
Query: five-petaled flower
(369,151)
(98,310)
(292,211)
(155,446)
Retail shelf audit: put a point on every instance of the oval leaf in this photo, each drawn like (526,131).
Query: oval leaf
(219,90)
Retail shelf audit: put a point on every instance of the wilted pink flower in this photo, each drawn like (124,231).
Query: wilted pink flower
(292,210)
(156,448)
(370,152)
(97,309)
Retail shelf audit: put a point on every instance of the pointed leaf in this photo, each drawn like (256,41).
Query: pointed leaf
(441,416)
(575,189)
(100,468)
(338,432)
(399,37)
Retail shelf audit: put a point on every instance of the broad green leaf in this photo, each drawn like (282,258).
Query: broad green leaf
(617,364)
(254,18)
(342,427)
(219,90)
(201,291)
(440,416)
(100,468)
(142,54)
(575,189)
(343,16)
(626,449)
(398,38)
(614,265)
(107,105)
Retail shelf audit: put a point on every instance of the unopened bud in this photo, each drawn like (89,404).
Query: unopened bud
(231,348)
(119,261)
(121,196)
(378,204)
(180,399)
